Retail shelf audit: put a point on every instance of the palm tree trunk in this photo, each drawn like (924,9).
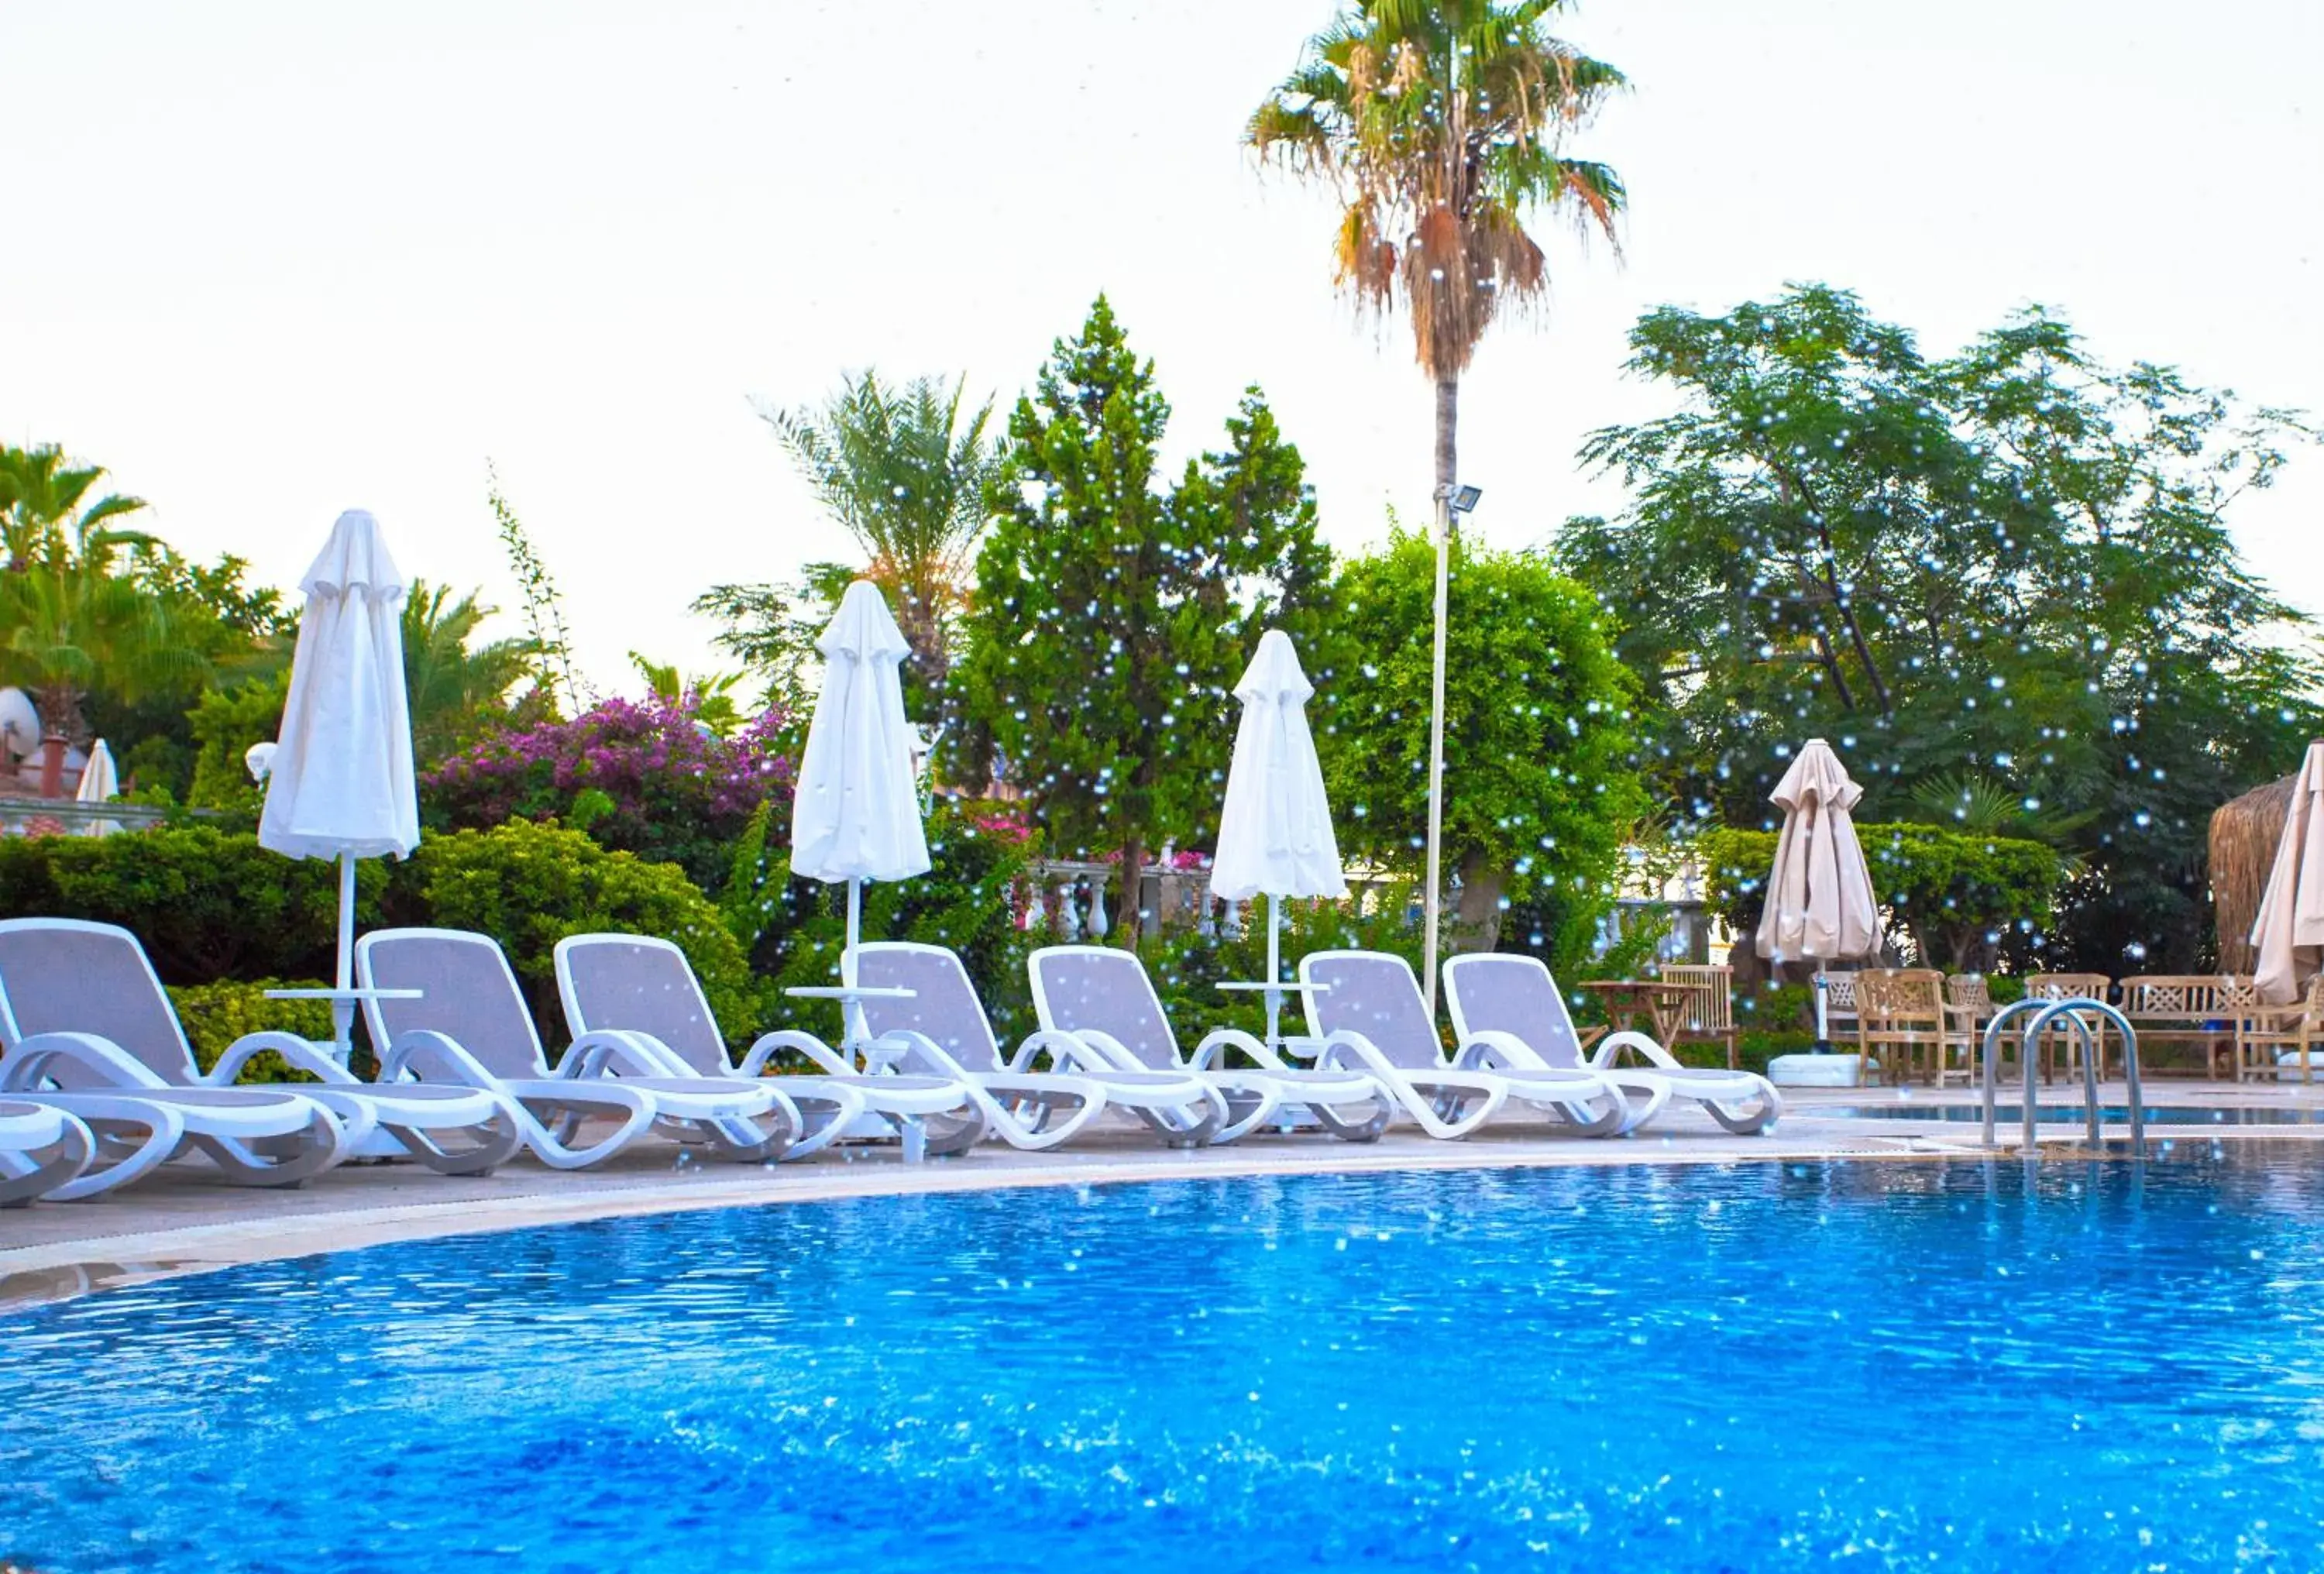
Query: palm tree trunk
(1448,421)
(1133,876)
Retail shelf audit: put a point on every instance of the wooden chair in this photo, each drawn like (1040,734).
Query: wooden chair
(1709,1017)
(2265,1032)
(1900,1013)
(2200,1010)
(2069,986)
(1969,1007)
(1838,1003)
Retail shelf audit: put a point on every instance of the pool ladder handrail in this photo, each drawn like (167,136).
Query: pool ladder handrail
(2044,1013)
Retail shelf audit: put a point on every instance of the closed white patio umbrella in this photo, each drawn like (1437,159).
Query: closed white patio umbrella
(855,816)
(2289,934)
(1274,833)
(340,784)
(1820,906)
(100,784)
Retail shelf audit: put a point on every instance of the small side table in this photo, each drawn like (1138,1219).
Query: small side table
(343,1009)
(1628,1000)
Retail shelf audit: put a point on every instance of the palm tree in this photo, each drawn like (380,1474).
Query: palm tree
(451,687)
(40,503)
(1441,125)
(900,471)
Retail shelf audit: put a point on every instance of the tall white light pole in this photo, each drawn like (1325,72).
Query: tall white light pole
(1432,896)
(1452,501)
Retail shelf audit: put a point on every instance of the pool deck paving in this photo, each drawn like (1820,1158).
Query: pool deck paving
(184,1219)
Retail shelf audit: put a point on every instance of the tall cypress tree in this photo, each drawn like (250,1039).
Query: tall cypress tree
(1112,618)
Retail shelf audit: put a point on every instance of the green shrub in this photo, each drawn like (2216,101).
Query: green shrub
(208,903)
(529,885)
(216,1014)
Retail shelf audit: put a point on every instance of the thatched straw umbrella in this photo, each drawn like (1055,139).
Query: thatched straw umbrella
(2244,835)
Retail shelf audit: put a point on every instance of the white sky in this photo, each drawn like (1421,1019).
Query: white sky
(267,262)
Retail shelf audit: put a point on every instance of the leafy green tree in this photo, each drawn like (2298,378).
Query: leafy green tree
(1440,125)
(2005,571)
(1112,617)
(1539,786)
(903,472)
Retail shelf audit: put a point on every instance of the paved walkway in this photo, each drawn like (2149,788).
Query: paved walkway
(183,1220)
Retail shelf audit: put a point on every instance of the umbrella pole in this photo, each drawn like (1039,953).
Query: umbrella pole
(855,1024)
(1274,969)
(1824,1026)
(343,1010)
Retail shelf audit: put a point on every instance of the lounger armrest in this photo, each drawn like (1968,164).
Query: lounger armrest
(937,1059)
(1608,1051)
(1490,1048)
(1347,1050)
(31,1062)
(1219,1040)
(422,1049)
(300,1054)
(618,1052)
(1080,1049)
(829,1060)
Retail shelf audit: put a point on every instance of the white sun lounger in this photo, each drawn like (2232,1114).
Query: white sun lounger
(86,1027)
(1371,1015)
(42,1149)
(642,989)
(103,958)
(1512,1004)
(946,1028)
(470,1027)
(1105,997)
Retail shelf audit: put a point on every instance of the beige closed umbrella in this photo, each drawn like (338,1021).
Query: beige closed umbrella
(2289,936)
(1820,906)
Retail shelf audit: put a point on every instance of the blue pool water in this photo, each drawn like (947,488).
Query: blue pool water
(2071,1113)
(1760,1367)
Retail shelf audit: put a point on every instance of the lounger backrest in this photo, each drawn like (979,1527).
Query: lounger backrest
(467,994)
(1494,992)
(1374,994)
(1100,989)
(943,1004)
(636,983)
(66,975)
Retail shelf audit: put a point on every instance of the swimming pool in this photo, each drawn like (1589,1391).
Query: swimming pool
(2069,1111)
(1761,1366)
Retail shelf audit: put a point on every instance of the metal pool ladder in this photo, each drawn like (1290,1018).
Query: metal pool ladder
(2076,1012)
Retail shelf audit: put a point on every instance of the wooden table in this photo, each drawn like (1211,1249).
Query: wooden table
(1664,1006)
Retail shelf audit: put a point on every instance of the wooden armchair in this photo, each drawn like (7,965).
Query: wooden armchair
(1969,1007)
(2197,1009)
(2264,1033)
(1900,1015)
(2071,987)
(1709,1015)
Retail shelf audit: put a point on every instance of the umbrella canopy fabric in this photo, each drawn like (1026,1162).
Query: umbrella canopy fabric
(856,813)
(1820,900)
(1275,833)
(342,780)
(2289,934)
(99,783)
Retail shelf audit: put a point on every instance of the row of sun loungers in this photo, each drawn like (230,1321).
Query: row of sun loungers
(99,1085)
